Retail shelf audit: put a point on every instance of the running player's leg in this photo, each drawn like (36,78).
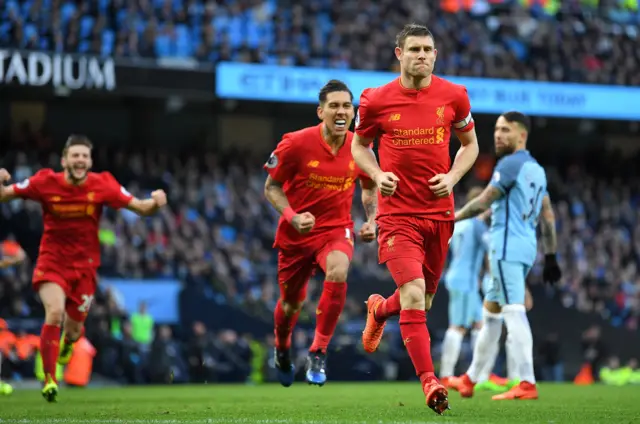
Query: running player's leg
(334,259)
(51,289)
(487,345)
(77,308)
(294,271)
(513,276)
(453,337)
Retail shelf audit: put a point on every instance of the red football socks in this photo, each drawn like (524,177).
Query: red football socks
(328,313)
(50,348)
(389,307)
(415,336)
(67,340)
(283,327)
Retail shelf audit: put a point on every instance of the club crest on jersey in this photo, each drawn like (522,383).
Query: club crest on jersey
(272,162)
(352,165)
(440,115)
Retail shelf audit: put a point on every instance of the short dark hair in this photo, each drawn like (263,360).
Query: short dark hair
(76,140)
(519,117)
(331,87)
(412,30)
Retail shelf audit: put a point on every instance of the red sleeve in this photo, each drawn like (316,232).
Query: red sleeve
(282,163)
(116,196)
(463,121)
(32,186)
(367,125)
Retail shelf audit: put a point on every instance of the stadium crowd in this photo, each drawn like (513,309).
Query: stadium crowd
(593,41)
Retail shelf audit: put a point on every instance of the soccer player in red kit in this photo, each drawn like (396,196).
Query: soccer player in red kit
(413,116)
(311,184)
(65,275)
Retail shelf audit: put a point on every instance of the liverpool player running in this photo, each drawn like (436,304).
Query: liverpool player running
(311,183)
(65,273)
(413,116)
(517,195)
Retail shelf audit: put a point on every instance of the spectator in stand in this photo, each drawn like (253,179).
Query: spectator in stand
(577,41)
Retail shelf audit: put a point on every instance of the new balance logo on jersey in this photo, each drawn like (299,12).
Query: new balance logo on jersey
(394,117)
(313,164)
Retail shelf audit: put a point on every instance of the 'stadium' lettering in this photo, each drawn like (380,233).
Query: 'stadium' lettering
(407,137)
(40,69)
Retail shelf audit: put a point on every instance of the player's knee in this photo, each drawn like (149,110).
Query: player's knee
(412,295)
(458,329)
(53,314)
(493,307)
(291,308)
(428,301)
(337,267)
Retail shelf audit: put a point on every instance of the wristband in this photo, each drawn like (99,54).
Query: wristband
(288,214)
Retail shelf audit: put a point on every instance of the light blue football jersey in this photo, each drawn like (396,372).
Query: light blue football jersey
(468,247)
(523,182)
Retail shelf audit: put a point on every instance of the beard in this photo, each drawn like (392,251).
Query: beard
(72,175)
(504,151)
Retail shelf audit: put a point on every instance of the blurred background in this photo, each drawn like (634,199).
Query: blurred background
(192,95)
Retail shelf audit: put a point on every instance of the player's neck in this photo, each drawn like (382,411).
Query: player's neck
(415,83)
(335,142)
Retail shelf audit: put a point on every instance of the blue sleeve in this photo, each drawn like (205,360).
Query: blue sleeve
(506,173)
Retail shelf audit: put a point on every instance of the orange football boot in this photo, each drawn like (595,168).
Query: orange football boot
(463,385)
(447,382)
(437,396)
(523,391)
(373,330)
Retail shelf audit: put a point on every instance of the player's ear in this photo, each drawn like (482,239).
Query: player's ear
(320,112)
(435,52)
(398,52)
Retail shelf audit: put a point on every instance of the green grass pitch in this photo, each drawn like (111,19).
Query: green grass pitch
(376,403)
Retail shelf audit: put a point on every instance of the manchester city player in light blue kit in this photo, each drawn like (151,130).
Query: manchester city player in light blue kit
(517,195)
(467,251)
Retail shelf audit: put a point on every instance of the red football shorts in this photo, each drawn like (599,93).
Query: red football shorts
(79,285)
(414,247)
(296,267)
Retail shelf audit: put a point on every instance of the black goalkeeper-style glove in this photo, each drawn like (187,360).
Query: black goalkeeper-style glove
(551,273)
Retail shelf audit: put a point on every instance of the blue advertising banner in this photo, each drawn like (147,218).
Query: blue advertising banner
(494,96)
(161,297)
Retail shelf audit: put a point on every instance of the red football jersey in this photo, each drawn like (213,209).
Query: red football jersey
(414,128)
(72,214)
(314,180)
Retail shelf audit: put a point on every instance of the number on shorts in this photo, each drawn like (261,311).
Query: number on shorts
(87,300)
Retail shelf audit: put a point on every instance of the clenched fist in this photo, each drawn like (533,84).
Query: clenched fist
(160,197)
(387,183)
(303,222)
(367,232)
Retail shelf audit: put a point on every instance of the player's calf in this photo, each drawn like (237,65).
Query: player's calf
(73,331)
(53,298)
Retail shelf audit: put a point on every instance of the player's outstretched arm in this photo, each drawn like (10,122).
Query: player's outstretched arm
(6,192)
(148,207)
(479,204)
